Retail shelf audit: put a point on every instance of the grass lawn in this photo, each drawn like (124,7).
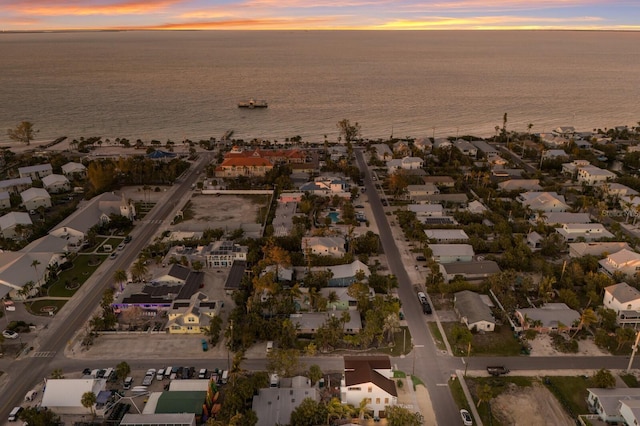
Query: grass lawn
(571,392)
(437,336)
(35,307)
(500,342)
(630,380)
(76,276)
(458,393)
(142,209)
(416,381)
(403,337)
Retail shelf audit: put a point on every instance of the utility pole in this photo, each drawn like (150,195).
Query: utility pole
(633,352)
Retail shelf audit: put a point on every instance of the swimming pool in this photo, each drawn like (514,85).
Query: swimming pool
(335,216)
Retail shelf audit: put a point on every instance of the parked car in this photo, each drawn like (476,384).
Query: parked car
(128,382)
(421,258)
(426,308)
(113,255)
(121,246)
(160,374)
(466,418)
(10,334)
(422,297)
(127,239)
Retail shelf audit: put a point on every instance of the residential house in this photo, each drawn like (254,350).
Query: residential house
(473,310)
(625,301)
(5,200)
(625,262)
(588,231)
(276,403)
(423,144)
(74,170)
(440,181)
(572,167)
(343,275)
(283,221)
(414,191)
(552,154)
(243,166)
(565,131)
(55,184)
(447,253)
(520,184)
(485,149)
(12,220)
(552,141)
(33,198)
(90,213)
(466,148)
(534,240)
(477,270)
(596,249)
(402,148)
(327,186)
(551,317)
(447,235)
(617,190)
(274,156)
(591,175)
(310,322)
(383,152)
(406,163)
(36,172)
(192,316)
(222,254)
(30,265)
(543,201)
(426,210)
(442,143)
(368,378)
(611,404)
(338,298)
(476,207)
(324,246)
(560,218)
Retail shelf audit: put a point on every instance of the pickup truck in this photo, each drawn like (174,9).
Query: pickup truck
(497,370)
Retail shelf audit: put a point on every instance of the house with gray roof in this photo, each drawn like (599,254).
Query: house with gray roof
(486,149)
(609,404)
(33,198)
(447,235)
(324,246)
(625,301)
(543,201)
(72,169)
(15,186)
(343,275)
(5,200)
(310,322)
(466,147)
(275,404)
(447,253)
(474,270)
(55,184)
(473,311)
(36,172)
(520,184)
(383,152)
(11,220)
(597,249)
(551,317)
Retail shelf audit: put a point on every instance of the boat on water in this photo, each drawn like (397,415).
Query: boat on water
(253,103)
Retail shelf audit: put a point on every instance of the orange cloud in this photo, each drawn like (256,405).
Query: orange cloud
(239,24)
(134,7)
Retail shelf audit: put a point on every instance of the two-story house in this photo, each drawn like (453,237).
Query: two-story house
(591,175)
(625,262)
(36,172)
(625,301)
(588,231)
(368,378)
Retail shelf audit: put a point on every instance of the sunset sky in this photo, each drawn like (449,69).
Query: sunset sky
(29,15)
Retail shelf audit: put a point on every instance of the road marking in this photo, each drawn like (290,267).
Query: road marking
(442,384)
(46,354)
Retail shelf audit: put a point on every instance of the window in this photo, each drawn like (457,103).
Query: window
(377,400)
(355,388)
(386,401)
(370,389)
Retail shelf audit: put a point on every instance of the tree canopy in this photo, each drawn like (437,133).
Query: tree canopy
(23,133)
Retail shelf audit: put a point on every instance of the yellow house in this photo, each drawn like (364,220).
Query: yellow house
(193,315)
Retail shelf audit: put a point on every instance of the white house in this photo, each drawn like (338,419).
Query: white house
(447,253)
(596,249)
(422,190)
(591,175)
(33,198)
(625,261)
(548,318)
(623,299)
(447,235)
(368,378)
(275,404)
(543,201)
(55,184)
(72,169)
(608,403)
(36,172)
(588,231)
(327,186)
(466,147)
(383,152)
(9,221)
(473,311)
(64,395)
(324,246)
(426,210)
(423,144)
(5,200)
(407,163)
(572,167)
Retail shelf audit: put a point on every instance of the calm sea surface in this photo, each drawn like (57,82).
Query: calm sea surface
(176,85)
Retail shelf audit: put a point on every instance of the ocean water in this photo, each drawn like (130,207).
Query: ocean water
(177,85)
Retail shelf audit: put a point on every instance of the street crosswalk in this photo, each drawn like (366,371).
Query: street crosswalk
(44,354)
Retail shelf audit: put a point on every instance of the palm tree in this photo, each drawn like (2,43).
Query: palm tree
(391,326)
(122,370)
(57,374)
(139,269)
(34,265)
(119,277)
(587,318)
(88,400)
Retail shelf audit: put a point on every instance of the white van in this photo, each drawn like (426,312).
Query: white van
(269,346)
(167,372)
(13,415)
(225,377)
(160,374)
(31,395)
(108,373)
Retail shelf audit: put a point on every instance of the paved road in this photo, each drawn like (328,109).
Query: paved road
(426,360)
(25,372)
